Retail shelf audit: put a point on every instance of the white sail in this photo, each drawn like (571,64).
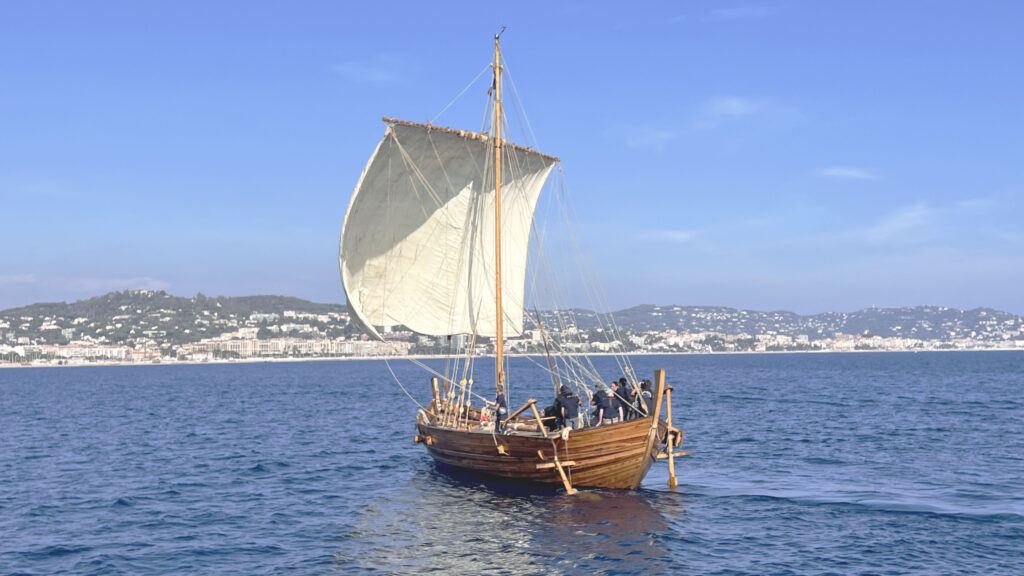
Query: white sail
(417,244)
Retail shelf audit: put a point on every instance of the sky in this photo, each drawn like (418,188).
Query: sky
(802,156)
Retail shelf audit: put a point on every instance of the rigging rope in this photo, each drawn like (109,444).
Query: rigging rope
(460,94)
(577,370)
(400,385)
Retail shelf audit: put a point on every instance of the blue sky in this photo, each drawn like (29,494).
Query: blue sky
(804,156)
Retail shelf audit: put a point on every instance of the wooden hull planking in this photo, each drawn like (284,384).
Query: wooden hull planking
(614,456)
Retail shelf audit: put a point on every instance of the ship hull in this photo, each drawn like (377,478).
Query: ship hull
(613,456)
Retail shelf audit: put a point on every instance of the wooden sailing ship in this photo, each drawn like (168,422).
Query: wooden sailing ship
(437,239)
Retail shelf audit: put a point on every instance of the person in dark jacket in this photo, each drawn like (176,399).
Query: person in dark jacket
(500,408)
(643,399)
(628,394)
(595,403)
(600,400)
(618,404)
(611,409)
(552,415)
(570,405)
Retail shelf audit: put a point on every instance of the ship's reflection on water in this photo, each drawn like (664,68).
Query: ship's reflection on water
(447,521)
(606,530)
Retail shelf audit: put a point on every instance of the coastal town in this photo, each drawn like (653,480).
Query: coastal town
(148,327)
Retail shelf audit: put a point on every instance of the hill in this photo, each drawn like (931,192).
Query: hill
(920,322)
(143,316)
(133,315)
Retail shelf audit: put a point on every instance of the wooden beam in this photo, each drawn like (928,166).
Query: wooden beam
(561,472)
(549,465)
(670,441)
(565,480)
(529,403)
(468,135)
(540,423)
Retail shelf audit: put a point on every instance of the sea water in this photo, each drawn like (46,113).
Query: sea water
(869,463)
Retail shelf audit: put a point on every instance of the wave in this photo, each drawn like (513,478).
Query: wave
(1001,510)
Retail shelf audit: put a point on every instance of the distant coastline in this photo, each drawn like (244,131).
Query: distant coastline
(441,357)
(138,327)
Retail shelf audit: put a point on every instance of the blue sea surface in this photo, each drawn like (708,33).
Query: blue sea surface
(802,464)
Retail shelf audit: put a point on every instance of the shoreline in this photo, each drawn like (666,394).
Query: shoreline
(442,357)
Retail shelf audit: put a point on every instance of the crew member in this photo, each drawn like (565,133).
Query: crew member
(610,411)
(500,408)
(628,394)
(643,399)
(570,404)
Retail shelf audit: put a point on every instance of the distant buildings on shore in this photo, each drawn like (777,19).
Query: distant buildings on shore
(237,348)
(140,326)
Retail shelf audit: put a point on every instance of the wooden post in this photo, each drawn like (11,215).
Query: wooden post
(561,470)
(540,422)
(437,394)
(565,480)
(652,434)
(670,440)
(659,392)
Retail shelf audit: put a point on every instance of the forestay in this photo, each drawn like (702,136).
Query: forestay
(417,244)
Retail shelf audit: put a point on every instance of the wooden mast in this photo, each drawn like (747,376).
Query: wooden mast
(499,376)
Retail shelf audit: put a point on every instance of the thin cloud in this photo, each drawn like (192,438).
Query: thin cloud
(107,284)
(8,279)
(903,223)
(849,172)
(978,204)
(719,109)
(1009,236)
(956,223)
(739,13)
(647,137)
(674,236)
(731,107)
(383,69)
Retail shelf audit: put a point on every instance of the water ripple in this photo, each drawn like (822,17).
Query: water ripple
(802,464)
